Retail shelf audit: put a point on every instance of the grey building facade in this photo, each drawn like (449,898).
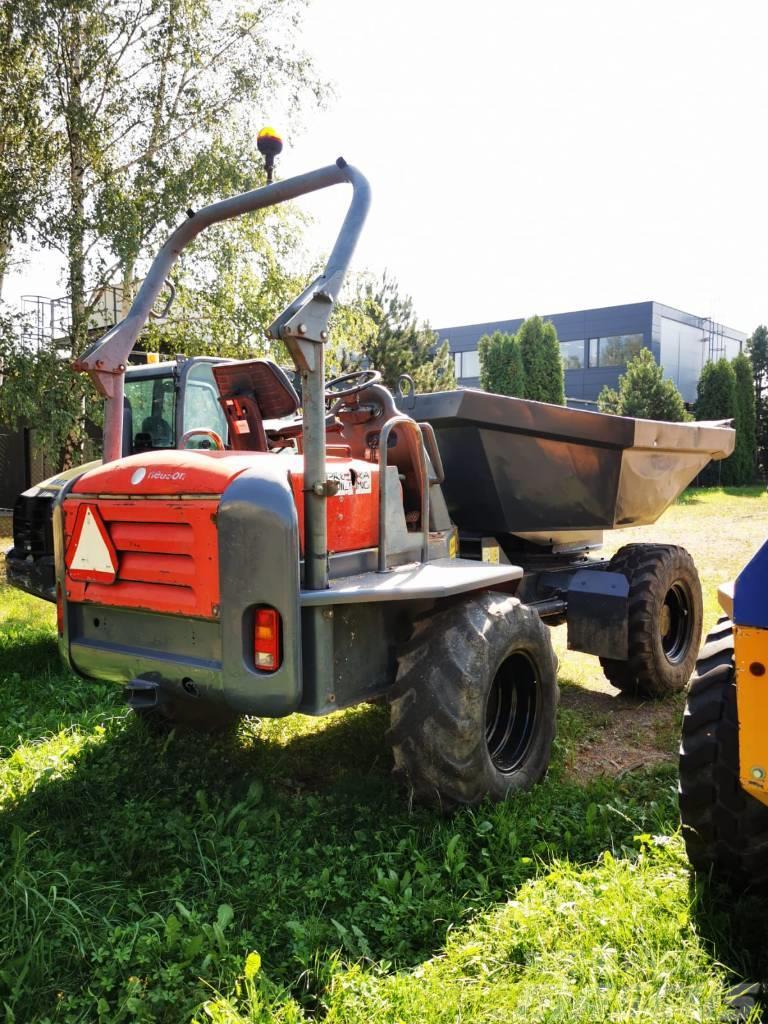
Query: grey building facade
(597,343)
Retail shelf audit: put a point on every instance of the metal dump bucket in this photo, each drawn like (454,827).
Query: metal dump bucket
(515,466)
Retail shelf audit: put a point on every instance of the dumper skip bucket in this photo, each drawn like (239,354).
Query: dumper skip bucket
(522,467)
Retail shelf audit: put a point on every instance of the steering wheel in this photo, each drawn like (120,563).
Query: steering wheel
(356,381)
(207,432)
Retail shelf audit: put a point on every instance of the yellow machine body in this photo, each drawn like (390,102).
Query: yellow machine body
(746,604)
(751,653)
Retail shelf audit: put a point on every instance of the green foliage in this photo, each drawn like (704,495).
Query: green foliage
(41,391)
(757,348)
(501,365)
(224,301)
(135,111)
(394,341)
(542,362)
(644,392)
(745,453)
(25,148)
(716,400)
(124,900)
(716,391)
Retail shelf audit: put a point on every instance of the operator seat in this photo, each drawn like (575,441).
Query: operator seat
(159,430)
(250,392)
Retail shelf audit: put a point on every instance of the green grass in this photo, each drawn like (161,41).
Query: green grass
(139,876)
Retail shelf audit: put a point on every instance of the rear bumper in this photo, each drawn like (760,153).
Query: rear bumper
(35,576)
(212,657)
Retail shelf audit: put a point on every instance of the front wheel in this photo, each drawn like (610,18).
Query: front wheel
(474,702)
(664,620)
(724,828)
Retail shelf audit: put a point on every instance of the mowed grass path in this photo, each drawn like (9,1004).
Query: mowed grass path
(277,875)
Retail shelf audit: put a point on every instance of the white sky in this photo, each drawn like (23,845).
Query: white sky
(544,156)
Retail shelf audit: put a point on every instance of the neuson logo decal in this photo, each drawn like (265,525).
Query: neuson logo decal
(157,474)
(162,474)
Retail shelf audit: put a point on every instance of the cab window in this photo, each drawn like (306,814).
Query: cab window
(201,405)
(152,405)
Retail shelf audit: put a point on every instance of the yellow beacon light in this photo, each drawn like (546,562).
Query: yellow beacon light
(269,145)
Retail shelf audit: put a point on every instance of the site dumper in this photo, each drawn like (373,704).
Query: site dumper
(166,405)
(724,748)
(315,562)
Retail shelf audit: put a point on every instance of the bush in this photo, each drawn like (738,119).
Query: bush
(644,392)
(745,453)
(501,365)
(716,400)
(542,361)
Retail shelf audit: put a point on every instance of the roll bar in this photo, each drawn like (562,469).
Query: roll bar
(304,321)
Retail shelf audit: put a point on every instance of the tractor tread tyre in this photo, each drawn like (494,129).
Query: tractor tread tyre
(724,828)
(442,693)
(652,570)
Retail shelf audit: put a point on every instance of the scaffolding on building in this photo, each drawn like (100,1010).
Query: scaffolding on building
(714,337)
(48,322)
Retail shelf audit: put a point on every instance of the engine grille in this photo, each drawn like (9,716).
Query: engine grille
(167,556)
(32,530)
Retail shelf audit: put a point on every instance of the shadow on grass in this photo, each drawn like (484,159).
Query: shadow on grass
(735,927)
(692,496)
(302,833)
(27,654)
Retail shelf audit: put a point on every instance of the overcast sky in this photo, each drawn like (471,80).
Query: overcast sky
(545,156)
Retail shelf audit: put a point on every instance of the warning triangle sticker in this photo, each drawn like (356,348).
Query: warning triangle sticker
(91,555)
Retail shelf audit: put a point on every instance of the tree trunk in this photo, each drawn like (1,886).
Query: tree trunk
(5,256)
(75,118)
(126,290)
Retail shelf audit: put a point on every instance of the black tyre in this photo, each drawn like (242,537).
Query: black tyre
(725,829)
(474,702)
(665,619)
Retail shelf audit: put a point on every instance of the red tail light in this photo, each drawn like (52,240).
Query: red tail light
(266,639)
(59,610)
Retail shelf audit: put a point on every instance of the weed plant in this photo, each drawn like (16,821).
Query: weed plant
(276,874)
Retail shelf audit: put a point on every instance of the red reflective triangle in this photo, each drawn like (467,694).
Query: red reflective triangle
(91,555)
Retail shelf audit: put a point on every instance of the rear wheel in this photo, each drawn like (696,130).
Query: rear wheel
(664,620)
(474,703)
(725,829)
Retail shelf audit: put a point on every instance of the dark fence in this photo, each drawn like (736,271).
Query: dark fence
(15,465)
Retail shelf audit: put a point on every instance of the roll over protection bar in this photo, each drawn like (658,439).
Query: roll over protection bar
(106,359)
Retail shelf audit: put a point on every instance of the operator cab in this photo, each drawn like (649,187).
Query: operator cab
(262,409)
(154,418)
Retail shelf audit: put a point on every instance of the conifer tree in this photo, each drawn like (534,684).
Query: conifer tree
(542,361)
(745,453)
(644,392)
(716,400)
(397,342)
(757,347)
(501,364)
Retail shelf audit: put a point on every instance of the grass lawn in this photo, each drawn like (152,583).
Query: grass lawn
(277,874)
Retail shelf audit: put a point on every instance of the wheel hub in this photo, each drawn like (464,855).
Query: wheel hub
(511,713)
(676,622)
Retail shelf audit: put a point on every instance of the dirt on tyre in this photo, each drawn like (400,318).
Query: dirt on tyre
(724,828)
(664,620)
(474,703)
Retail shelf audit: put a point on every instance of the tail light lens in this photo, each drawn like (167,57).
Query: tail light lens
(59,610)
(266,639)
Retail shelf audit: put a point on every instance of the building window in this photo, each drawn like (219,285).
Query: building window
(470,364)
(467,364)
(614,351)
(573,354)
